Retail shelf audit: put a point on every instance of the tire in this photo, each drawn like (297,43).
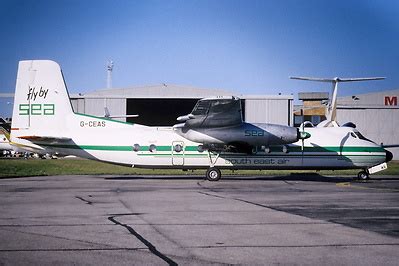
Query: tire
(363,175)
(213,174)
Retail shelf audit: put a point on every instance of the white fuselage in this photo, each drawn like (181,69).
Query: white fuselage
(44,121)
(113,141)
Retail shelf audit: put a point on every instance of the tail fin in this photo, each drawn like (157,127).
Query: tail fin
(41,101)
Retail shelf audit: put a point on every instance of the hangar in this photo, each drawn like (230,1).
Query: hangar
(160,105)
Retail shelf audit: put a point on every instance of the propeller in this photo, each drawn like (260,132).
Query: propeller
(303,135)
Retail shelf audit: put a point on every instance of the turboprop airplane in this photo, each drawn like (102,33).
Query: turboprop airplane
(213,136)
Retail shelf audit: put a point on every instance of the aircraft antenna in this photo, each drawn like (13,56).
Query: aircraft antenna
(110,67)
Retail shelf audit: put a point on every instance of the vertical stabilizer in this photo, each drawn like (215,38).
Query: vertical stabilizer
(41,102)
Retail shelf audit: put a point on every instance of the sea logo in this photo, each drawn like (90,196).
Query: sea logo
(36,109)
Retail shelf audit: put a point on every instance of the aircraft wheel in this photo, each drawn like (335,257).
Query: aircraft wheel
(213,174)
(363,175)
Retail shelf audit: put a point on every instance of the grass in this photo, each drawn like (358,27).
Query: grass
(74,166)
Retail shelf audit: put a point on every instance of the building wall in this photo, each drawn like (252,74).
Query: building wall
(275,111)
(78,105)
(95,106)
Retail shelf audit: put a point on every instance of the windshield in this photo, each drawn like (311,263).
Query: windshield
(360,136)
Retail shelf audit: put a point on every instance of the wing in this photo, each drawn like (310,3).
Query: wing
(45,139)
(214,112)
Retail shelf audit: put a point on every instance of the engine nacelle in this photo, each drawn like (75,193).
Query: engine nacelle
(245,133)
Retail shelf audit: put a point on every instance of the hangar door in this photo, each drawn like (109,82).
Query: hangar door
(158,112)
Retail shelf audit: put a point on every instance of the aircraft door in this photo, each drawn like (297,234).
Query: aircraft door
(177,153)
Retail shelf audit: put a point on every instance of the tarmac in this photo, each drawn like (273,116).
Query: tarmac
(152,220)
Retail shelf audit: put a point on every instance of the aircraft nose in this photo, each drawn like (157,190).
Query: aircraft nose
(388,156)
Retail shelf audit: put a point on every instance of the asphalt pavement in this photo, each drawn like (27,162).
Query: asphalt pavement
(141,220)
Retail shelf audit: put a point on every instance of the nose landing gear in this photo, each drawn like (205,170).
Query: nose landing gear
(363,175)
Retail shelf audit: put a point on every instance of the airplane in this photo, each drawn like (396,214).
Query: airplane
(213,136)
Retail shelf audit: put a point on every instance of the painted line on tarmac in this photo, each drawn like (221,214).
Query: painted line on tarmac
(297,246)
(350,185)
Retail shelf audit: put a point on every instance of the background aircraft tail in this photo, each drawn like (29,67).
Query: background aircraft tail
(331,112)
(41,104)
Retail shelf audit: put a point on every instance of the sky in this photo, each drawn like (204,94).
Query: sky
(248,47)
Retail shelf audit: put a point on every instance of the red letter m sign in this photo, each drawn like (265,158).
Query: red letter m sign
(391,100)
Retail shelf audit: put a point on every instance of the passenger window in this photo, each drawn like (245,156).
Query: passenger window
(178,148)
(152,148)
(285,149)
(136,147)
(200,148)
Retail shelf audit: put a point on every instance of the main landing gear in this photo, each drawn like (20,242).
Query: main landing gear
(213,173)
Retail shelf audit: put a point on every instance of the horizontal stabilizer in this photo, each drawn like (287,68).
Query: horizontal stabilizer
(337,79)
(47,139)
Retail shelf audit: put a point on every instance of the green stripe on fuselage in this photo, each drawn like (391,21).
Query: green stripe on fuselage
(291,149)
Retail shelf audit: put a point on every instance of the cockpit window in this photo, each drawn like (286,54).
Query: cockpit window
(353,135)
(360,136)
(201,108)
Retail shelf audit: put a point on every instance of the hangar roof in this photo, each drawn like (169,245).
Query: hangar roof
(156,91)
(170,91)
